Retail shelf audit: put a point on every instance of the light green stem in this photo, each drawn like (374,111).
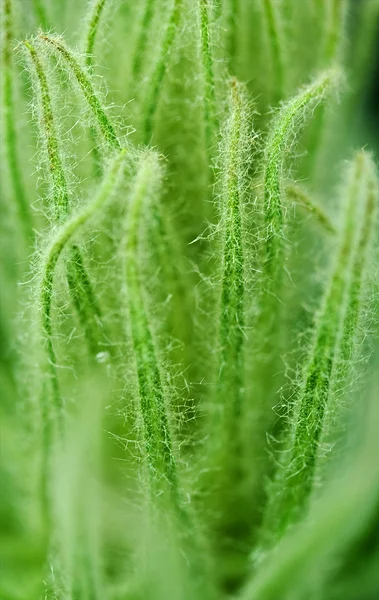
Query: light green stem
(153,400)
(50,260)
(207,60)
(284,128)
(58,179)
(161,68)
(233,285)
(335,30)
(84,298)
(344,511)
(95,10)
(295,477)
(301,197)
(10,120)
(84,82)
(275,37)
(140,50)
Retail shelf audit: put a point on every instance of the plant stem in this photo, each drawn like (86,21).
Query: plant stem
(58,179)
(285,126)
(344,511)
(84,298)
(233,284)
(85,85)
(347,343)
(94,10)
(233,19)
(9,125)
(161,68)
(140,49)
(335,29)
(301,197)
(276,44)
(295,477)
(207,60)
(50,260)
(153,402)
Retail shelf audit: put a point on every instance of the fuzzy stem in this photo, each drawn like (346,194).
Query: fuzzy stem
(276,43)
(232,294)
(152,396)
(50,260)
(358,270)
(140,49)
(295,478)
(346,508)
(84,298)
(85,85)
(78,280)
(58,179)
(347,343)
(10,136)
(233,19)
(161,68)
(301,197)
(284,126)
(95,10)
(207,60)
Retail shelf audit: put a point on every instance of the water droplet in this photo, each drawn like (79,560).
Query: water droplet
(102,357)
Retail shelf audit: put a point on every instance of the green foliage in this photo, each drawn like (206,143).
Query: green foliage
(189,331)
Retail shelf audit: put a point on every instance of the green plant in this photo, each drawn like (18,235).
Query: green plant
(185,414)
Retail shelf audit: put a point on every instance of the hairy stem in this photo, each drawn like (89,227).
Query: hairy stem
(139,53)
(58,179)
(283,130)
(295,477)
(232,294)
(275,37)
(10,120)
(234,10)
(343,512)
(106,128)
(207,60)
(300,196)
(153,400)
(347,343)
(161,68)
(50,260)
(95,10)
(84,298)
